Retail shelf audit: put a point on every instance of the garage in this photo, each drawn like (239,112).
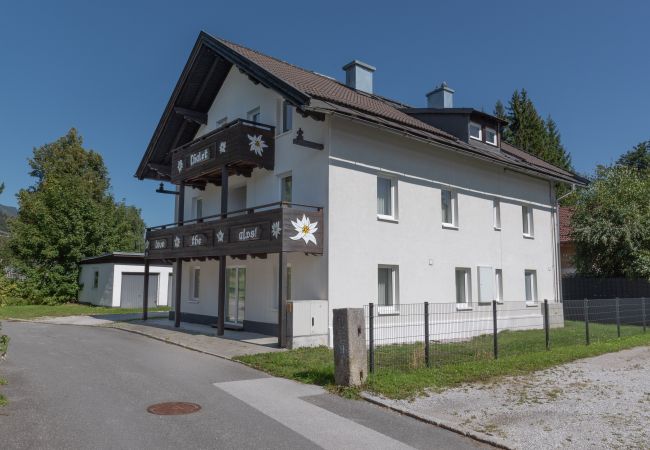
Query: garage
(133,290)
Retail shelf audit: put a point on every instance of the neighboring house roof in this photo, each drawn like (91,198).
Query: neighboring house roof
(120,258)
(566,214)
(210,62)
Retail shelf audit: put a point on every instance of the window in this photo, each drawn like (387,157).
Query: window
(486,286)
(496,214)
(449,207)
(195,284)
(197,207)
(96,279)
(287,116)
(490,136)
(527,221)
(286,188)
(221,122)
(463,286)
(254,115)
(498,282)
(531,286)
(475,131)
(387,287)
(386,198)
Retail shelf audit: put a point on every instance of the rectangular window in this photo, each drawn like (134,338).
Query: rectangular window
(254,115)
(287,116)
(531,286)
(496,214)
(490,136)
(527,221)
(195,283)
(286,188)
(449,207)
(486,286)
(387,286)
(221,122)
(96,279)
(463,288)
(475,131)
(498,281)
(197,207)
(386,188)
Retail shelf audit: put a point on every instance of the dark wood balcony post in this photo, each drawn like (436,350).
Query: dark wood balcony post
(282,300)
(145,291)
(221,319)
(179,262)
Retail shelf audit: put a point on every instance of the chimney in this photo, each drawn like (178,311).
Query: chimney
(358,75)
(441,97)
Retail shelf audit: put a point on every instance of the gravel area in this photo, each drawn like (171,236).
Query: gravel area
(600,402)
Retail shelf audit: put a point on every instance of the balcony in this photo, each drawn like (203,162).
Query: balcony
(240,146)
(272,228)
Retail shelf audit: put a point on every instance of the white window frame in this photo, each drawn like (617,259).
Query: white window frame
(193,271)
(392,217)
(195,207)
(496,214)
(527,222)
(250,115)
(283,177)
(498,285)
(533,290)
(480,131)
(467,304)
(454,209)
(487,133)
(287,111)
(393,308)
(221,122)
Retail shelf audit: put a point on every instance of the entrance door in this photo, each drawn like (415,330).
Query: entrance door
(236,290)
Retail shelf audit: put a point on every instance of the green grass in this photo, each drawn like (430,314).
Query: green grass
(401,373)
(68,309)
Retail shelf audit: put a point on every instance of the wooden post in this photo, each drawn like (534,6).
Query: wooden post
(145,291)
(282,300)
(221,308)
(178,269)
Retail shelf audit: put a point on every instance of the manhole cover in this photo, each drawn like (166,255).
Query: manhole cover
(173,408)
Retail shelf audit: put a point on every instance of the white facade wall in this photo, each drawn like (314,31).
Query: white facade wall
(110,282)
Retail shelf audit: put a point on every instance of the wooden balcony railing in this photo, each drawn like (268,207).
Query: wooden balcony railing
(271,228)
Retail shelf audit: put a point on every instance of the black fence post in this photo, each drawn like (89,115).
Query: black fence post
(495,329)
(371,336)
(643,311)
(427,348)
(618,318)
(546,323)
(586,314)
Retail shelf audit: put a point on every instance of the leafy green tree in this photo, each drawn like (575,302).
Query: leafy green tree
(611,224)
(637,158)
(67,214)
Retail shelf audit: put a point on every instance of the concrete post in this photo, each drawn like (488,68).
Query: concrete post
(350,353)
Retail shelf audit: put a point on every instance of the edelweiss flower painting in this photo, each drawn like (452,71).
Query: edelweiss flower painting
(305,230)
(222,147)
(275,229)
(177,242)
(220,236)
(180,165)
(257,144)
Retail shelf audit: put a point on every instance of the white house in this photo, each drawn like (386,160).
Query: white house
(298,194)
(117,280)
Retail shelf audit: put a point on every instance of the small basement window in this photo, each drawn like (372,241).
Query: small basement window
(475,131)
(96,279)
(491,136)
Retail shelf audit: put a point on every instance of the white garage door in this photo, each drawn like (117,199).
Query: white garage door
(133,290)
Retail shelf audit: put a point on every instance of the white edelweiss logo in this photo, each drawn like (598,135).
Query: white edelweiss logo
(177,242)
(275,229)
(222,147)
(257,144)
(220,236)
(305,230)
(180,165)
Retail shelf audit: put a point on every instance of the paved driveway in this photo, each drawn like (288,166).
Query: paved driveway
(76,387)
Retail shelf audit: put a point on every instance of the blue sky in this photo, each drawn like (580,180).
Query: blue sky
(108,68)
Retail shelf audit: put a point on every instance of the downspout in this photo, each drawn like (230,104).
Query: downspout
(556,237)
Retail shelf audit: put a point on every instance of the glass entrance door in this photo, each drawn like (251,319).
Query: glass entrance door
(236,289)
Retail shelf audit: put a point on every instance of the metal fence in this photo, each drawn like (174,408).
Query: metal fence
(578,288)
(421,335)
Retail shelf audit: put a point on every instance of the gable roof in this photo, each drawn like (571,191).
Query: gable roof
(211,60)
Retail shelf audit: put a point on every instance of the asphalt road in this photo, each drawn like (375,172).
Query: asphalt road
(78,387)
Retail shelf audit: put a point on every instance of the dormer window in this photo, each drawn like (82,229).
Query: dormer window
(491,136)
(475,131)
